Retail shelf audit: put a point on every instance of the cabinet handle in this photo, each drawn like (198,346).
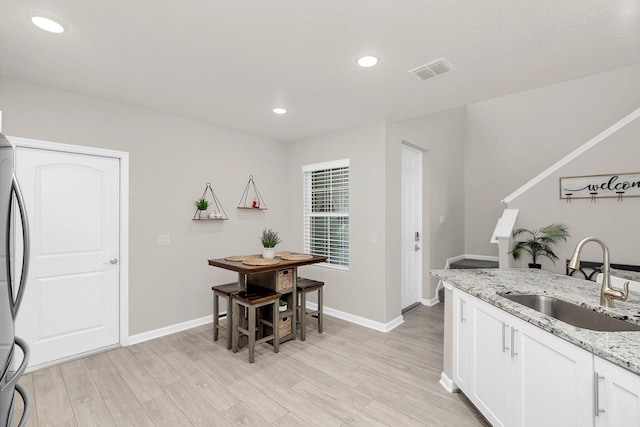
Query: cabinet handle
(513,342)
(462,317)
(596,394)
(504,347)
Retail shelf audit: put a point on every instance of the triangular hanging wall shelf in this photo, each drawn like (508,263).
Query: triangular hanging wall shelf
(214,210)
(257,203)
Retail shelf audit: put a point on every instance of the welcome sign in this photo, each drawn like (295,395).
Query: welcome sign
(600,186)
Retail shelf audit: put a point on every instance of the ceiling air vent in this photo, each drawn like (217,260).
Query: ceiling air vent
(432,69)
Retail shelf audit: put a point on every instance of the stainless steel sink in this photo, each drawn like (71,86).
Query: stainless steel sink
(572,314)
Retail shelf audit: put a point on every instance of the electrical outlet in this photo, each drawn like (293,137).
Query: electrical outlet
(163,240)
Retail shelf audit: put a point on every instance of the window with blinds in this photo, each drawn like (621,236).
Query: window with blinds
(326,211)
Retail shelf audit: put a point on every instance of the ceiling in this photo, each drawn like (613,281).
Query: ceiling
(230,62)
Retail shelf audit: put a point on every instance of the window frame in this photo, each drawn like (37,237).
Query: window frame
(307,170)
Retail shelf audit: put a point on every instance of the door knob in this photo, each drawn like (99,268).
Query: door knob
(112,261)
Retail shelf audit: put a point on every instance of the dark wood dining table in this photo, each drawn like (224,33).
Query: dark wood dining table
(260,272)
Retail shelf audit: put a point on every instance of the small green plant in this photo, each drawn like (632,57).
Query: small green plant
(201,204)
(269,238)
(540,242)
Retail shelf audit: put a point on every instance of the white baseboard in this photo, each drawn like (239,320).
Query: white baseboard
(470,256)
(168,330)
(179,327)
(481,257)
(448,384)
(371,324)
(465,256)
(453,259)
(431,302)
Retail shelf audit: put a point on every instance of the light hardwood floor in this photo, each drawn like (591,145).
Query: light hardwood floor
(349,375)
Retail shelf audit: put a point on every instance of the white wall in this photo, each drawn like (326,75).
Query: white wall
(615,222)
(371,287)
(511,139)
(440,136)
(361,290)
(171,160)
(473,157)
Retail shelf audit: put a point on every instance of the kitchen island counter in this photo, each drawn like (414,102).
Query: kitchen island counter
(620,348)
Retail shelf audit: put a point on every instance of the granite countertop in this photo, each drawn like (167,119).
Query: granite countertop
(621,348)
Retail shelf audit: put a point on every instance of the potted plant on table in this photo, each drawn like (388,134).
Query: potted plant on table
(539,243)
(269,241)
(202,205)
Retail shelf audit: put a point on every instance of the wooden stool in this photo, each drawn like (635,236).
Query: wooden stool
(226,291)
(305,286)
(252,299)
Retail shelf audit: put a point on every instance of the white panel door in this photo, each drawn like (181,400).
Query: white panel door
(71,303)
(411,276)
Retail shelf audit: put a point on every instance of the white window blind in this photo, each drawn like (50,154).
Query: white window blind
(326,211)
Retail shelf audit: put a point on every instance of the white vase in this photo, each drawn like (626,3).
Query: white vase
(268,253)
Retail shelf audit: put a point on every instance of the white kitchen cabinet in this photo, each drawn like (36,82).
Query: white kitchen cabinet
(491,370)
(518,374)
(616,395)
(460,345)
(552,379)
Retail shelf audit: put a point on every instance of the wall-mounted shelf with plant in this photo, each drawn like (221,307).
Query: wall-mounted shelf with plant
(257,203)
(209,210)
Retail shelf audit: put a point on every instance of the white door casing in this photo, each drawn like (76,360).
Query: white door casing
(411,199)
(72,300)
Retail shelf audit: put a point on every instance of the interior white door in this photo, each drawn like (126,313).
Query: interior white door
(411,276)
(71,303)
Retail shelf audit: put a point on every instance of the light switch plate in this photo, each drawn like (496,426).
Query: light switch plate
(163,239)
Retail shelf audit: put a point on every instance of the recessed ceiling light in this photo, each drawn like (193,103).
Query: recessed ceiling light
(46,23)
(367,61)
(279,110)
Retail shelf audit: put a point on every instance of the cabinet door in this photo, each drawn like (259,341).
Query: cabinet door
(461,339)
(618,395)
(552,380)
(490,365)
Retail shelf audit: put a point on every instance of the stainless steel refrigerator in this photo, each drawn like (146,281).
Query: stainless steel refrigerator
(13,219)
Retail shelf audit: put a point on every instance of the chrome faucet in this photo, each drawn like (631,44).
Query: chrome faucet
(607,293)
